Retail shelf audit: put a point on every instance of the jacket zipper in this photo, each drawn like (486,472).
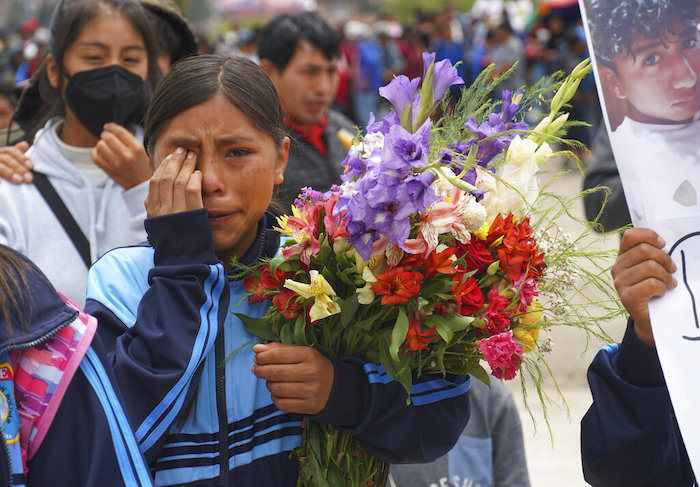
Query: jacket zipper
(6,451)
(220,373)
(21,346)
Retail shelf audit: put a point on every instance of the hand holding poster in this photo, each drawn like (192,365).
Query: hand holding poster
(646,56)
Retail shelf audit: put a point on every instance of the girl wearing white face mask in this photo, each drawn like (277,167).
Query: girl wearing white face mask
(90,168)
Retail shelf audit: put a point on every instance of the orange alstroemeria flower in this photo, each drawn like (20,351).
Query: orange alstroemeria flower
(397,285)
(416,338)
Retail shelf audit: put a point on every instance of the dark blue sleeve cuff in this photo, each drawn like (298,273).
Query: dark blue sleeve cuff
(347,403)
(181,238)
(638,363)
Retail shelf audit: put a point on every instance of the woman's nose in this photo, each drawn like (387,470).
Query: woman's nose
(212,182)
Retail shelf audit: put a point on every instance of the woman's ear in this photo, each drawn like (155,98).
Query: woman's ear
(52,72)
(282,158)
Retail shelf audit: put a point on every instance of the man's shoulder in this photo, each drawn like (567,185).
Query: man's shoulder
(337,120)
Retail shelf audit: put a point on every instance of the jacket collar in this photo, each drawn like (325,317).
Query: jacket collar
(266,242)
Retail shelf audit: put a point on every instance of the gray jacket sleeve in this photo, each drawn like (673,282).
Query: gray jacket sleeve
(509,462)
(613,213)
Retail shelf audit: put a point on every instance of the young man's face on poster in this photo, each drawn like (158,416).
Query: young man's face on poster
(660,78)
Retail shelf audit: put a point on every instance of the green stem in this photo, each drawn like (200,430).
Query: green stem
(382,474)
(344,437)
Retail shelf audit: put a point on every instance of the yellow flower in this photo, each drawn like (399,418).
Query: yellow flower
(282,228)
(320,290)
(366,295)
(282,222)
(533,315)
(483,232)
(528,332)
(527,338)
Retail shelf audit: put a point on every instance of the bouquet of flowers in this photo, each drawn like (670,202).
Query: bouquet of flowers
(431,256)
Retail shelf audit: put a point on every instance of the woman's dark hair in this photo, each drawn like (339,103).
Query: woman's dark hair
(194,80)
(15,294)
(68,19)
(613,22)
(279,39)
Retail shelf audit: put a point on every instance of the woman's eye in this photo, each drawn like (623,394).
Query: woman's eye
(132,60)
(238,152)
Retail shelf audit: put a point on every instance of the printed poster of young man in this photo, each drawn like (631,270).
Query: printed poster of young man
(646,59)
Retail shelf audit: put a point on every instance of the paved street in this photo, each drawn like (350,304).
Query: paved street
(555,461)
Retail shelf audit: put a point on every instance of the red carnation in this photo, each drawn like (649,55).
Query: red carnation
(497,318)
(503,355)
(476,255)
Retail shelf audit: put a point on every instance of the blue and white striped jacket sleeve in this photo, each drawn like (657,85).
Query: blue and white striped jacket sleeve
(365,401)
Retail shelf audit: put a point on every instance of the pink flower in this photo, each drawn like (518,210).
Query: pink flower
(304,233)
(335,225)
(390,251)
(526,288)
(442,218)
(503,355)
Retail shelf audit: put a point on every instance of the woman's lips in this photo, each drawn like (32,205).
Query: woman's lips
(217,218)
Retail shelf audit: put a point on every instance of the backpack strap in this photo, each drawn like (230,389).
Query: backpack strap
(63,215)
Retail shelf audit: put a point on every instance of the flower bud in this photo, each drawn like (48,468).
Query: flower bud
(581,69)
(557,124)
(571,89)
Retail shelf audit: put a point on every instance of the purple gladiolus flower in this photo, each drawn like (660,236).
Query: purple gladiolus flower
(508,111)
(400,91)
(403,150)
(354,167)
(362,238)
(428,59)
(460,147)
(446,157)
(383,125)
(444,75)
(420,192)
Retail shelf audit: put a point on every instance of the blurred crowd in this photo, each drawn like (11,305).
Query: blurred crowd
(377,48)
(374,50)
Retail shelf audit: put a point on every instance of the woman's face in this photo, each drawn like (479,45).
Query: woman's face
(240,166)
(109,39)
